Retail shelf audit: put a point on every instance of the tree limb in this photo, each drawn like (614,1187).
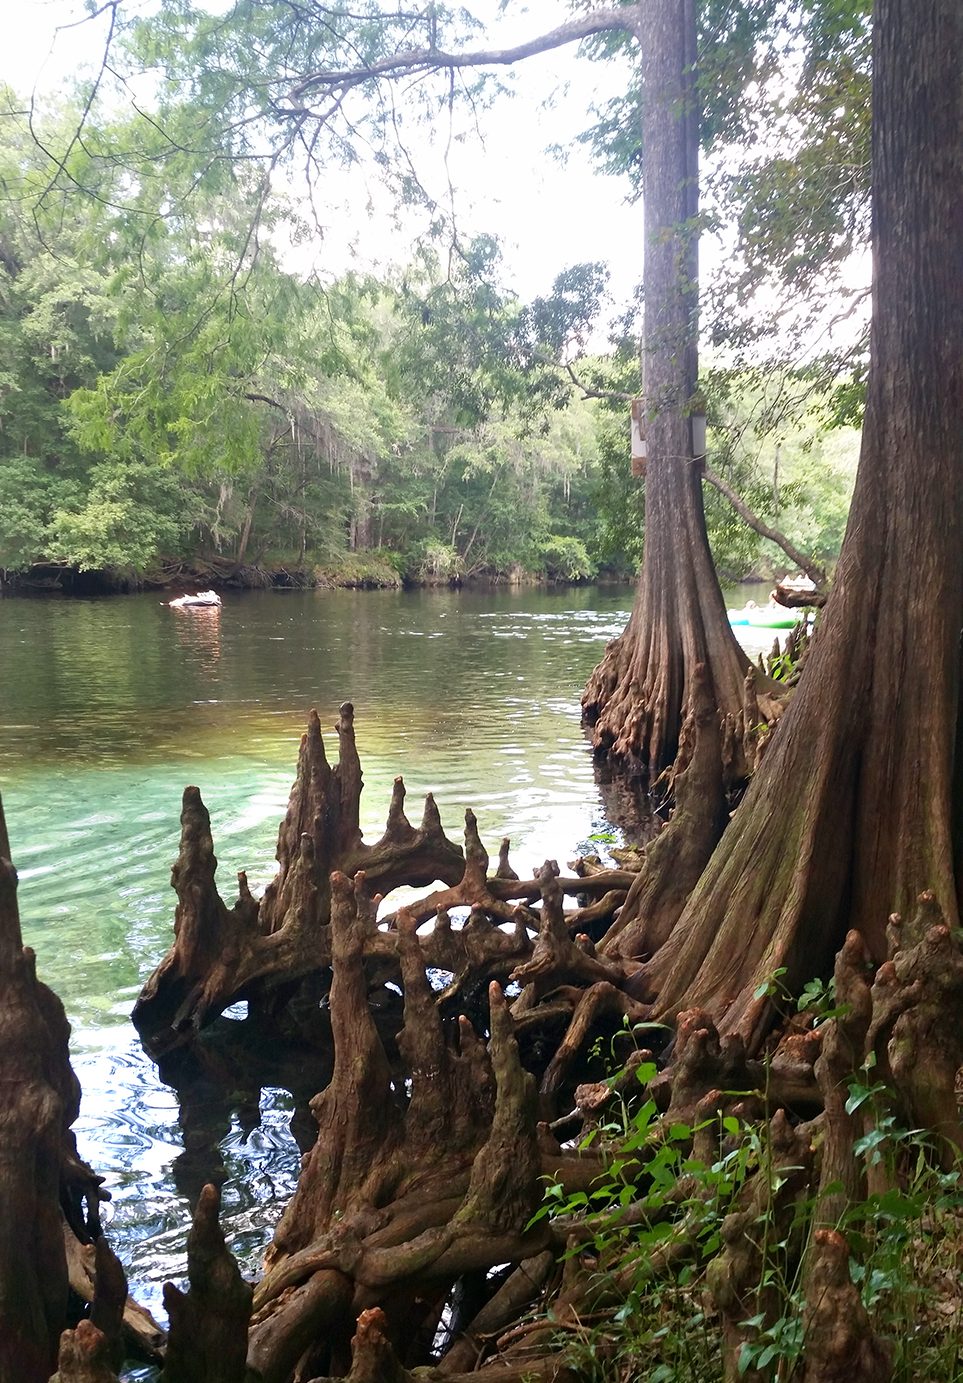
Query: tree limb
(812,570)
(432,58)
(589,392)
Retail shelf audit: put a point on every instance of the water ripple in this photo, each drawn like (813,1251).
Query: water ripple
(112,707)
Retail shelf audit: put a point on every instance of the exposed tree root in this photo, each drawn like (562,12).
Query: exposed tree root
(412,1250)
(208,1324)
(425,1168)
(639,697)
(97,1278)
(841,1346)
(419,1244)
(220,955)
(673,862)
(84,1357)
(43,1182)
(737,1276)
(271,951)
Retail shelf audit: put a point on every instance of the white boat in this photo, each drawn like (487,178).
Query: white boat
(186,602)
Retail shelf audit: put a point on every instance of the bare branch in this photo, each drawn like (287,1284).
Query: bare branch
(812,570)
(435,59)
(588,392)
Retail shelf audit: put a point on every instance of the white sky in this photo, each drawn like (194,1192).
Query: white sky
(546,215)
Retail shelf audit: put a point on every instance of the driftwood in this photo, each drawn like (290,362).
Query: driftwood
(97,1278)
(797,597)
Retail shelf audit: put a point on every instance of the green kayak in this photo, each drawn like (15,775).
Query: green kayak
(766,617)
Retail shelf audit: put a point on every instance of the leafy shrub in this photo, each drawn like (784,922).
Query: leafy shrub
(652,1227)
(131,514)
(25,501)
(566,559)
(436,561)
(366,570)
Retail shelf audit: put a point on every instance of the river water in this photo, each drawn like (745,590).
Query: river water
(110,707)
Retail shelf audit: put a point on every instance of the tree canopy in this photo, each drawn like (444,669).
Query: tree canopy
(246,412)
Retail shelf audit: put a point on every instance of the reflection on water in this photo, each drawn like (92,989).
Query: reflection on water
(198,629)
(111,707)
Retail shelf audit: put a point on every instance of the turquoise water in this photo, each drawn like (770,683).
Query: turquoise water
(111,707)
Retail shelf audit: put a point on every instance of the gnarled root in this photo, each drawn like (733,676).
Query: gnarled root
(41,1176)
(84,1356)
(840,1344)
(221,954)
(97,1277)
(673,862)
(737,1282)
(915,1009)
(843,1051)
(209,1323)
(405,1191)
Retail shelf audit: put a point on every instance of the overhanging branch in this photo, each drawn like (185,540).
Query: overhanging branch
(591,392)
(812,570)
(434,59)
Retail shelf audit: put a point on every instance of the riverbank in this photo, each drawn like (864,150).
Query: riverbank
(355,571)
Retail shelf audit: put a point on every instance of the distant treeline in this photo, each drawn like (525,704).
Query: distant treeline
(173,403)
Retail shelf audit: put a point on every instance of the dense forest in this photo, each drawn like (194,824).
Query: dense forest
(177,402)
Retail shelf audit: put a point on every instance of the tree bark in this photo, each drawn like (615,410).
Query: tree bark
(637,698)
(857,806)
(84,1356)
(208,1323)
(41,1175)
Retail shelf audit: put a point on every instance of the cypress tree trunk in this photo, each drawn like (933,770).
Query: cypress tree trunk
(637,697)
(857,805)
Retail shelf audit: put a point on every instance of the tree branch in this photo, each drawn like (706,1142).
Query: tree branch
(812,570)
(588,392)
(431,58)
(264,398)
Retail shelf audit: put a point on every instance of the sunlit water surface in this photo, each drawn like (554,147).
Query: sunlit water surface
(110,707)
